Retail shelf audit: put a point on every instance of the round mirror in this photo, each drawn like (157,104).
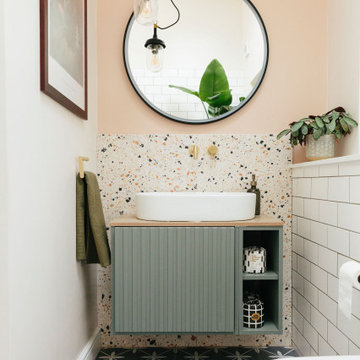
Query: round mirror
(204,68)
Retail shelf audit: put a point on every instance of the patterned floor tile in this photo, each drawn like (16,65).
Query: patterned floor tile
(233,353)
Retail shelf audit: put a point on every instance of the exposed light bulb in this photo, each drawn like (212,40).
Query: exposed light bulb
(155,58)
(146,11)
(155,61)
(155,52)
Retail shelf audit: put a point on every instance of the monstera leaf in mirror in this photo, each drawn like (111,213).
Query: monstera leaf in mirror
(214,90)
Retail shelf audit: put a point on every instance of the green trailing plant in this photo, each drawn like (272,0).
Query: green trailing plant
(214,90)
(337,122)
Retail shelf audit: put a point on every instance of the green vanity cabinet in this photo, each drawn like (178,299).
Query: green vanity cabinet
(189,279)
(173,280)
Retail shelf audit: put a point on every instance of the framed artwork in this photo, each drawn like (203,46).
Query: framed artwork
(63,47)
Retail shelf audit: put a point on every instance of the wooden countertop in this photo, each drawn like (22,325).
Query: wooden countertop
(261,220)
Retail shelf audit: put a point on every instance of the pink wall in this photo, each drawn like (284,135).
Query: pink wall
(294,86)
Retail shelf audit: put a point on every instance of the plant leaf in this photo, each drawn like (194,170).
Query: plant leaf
(335,115)
(220,99)
(314,125)
(332,125)
(328,131)
(216,111)
(297,126)
(283,133)
(351,122)
(188,91)
(304,129)
(326,119)
(213,97)
(213,82)
(344,125)
(242,98)
(319,122)
(317,133)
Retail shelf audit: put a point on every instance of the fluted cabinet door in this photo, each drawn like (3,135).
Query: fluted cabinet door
(173,280)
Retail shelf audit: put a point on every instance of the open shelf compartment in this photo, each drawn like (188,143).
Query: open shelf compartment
(267,285)
(269,240)
(269,294)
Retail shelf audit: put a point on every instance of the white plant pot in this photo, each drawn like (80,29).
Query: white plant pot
(323,148)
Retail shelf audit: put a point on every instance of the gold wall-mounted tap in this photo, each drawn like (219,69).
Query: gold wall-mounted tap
(194,150)
(213,151)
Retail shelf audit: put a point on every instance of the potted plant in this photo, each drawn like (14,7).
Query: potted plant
(319,133)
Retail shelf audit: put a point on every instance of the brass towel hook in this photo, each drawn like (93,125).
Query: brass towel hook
(81,165)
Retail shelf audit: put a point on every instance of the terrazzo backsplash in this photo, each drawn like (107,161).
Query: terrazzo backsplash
(128,164)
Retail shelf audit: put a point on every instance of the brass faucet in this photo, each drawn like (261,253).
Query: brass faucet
(194,151)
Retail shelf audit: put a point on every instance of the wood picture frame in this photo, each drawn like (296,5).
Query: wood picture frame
(63,53)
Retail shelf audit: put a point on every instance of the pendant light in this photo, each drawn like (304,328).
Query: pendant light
(155,52)
(146,11)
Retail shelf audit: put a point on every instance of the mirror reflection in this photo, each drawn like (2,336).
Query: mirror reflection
(201,75)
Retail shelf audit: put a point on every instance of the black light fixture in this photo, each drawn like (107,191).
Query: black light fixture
(145,12)
(155,53)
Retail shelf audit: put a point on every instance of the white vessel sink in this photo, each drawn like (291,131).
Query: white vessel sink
(192,206)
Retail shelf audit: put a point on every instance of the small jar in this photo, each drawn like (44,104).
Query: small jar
(323,148)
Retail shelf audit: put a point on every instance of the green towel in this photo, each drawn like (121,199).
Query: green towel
(92,246)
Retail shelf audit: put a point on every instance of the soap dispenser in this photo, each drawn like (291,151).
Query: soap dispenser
(255,191)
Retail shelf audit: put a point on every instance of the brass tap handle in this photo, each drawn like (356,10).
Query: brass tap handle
(213,151)
(194,151)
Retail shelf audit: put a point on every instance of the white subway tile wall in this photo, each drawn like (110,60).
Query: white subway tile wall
(311,293)
(311,335)
(311,209)
(326,234)
(319,322)
(355,190)
(355,246)
(353,349)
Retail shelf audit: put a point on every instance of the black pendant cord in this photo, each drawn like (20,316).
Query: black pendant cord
(178,11)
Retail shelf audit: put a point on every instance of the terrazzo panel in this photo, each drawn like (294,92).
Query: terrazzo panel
(128,164)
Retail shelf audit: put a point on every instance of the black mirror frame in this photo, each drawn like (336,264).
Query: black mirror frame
(204,121)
